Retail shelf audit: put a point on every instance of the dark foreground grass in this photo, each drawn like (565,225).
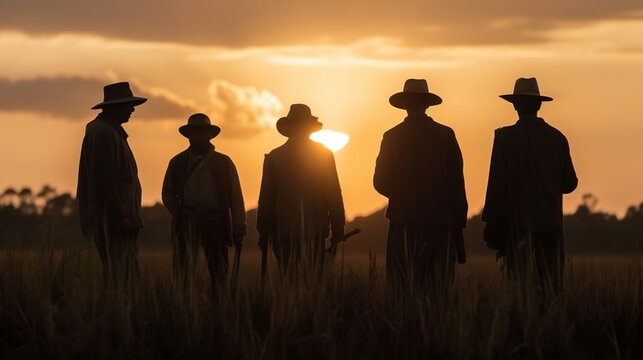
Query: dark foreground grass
(55,307)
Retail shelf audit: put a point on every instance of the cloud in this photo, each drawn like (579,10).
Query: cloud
(72,97)
(246,23)
(240,111)
(243,111)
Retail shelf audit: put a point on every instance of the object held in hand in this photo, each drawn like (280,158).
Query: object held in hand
(332,250)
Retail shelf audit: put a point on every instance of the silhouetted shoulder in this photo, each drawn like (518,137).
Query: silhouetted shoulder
(222,157)
(443,128)
(307,146)
(98,126)
(277,150)
(511,130)
(412,126)
(556,132)
(503,130)
(179,157)
(320,148)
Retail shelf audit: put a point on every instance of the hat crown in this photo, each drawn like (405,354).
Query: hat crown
(199,123)
(199,119)
(117,91)
(416,93)
(526,86)
(416,86)
(299,111)
(299,120)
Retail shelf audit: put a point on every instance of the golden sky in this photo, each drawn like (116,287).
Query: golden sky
(244,62)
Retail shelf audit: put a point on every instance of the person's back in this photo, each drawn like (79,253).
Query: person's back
(420,172)
(538,173)
(306,177)
(300,196)
(201,190)
(109,191)
(530,171)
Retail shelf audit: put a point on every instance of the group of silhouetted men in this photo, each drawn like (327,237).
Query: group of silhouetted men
(419,169)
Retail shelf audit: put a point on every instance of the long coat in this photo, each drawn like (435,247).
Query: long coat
(108,184)
(531,169)
(419,169)
(226,187)
(300,193)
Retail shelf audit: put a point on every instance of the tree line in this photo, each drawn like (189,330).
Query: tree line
(45,218)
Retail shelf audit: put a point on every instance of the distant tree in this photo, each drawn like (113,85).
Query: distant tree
(590,201)
(27,205)
(633,220)
(61,205)
(589,204)
(44,195)
(592,231)
(8,197)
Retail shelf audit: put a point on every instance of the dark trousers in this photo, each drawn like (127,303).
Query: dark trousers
(118,253)
(293,254)
(209,231)
(419,256)
(542,253)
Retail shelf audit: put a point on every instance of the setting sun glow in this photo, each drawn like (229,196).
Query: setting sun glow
(331,139)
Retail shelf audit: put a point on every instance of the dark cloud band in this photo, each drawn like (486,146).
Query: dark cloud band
(72,98)
(264,23)
(241,111)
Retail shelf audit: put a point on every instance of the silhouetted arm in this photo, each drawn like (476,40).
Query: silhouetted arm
(382,179)
(168,194)
(336,202)
(569,179)
(457,193)
(267,199)
(494,206)
(103,170)
(237,207)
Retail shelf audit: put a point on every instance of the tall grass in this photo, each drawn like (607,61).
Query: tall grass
(52,305)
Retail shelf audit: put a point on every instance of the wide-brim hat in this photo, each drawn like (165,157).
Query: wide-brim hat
(416,92)
(298,120)
(198,124)
(526,88)
(119,93)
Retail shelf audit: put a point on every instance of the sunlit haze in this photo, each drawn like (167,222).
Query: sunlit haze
(331,139)
(245,65)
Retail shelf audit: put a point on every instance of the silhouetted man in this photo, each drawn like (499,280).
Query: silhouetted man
(530,170)
(300,194)
(109,192)
(419,169)
(201,189)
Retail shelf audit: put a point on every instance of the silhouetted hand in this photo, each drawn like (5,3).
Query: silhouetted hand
(495,235)
(337,237)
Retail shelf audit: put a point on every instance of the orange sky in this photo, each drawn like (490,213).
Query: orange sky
(245,63)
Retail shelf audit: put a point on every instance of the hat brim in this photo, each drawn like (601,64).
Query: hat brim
(189,130)
(288,126)
(134,100)
(513,97)
(404,100)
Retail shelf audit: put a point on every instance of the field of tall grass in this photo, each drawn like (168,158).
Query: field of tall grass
(52,305)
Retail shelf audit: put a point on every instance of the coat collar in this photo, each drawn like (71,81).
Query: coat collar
(210,149)
(418,117)
(532,120)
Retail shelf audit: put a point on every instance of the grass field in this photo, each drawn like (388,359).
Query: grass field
(52,305)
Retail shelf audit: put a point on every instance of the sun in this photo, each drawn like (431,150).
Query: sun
(333,140)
